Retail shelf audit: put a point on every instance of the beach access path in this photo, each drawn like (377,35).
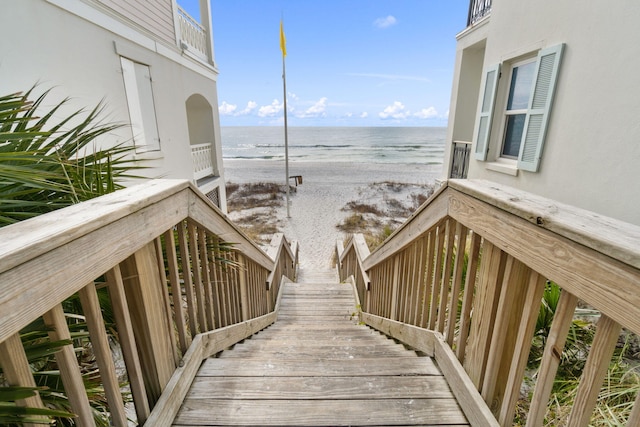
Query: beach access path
(316,206)
(316,366)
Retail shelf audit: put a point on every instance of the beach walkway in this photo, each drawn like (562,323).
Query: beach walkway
(316,366)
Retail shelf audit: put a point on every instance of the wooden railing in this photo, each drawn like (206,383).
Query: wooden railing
(462,280)
(202,160)
(183,281)
(193,35)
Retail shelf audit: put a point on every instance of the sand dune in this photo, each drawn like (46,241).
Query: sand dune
(327,187)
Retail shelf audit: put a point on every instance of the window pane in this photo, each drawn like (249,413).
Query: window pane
(513,135)
(521,81)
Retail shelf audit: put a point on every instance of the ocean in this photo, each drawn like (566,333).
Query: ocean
(405,145)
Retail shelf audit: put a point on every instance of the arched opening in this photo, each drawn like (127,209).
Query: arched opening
(201,136)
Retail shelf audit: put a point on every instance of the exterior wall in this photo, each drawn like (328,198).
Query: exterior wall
(154,16)
(591,153)
(75,49)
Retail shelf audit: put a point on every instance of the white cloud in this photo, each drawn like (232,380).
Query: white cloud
(426,113)
(251,105)
(364,115)
(349,115)
(385,22)
(227,109)
(316,110)
(271,110)
(395,111)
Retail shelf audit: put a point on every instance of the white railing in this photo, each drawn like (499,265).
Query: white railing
(202,160)
(193,35)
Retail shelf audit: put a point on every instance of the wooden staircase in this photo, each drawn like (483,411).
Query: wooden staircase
(316,366)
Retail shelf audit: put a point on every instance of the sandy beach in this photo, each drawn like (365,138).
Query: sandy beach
(316,206)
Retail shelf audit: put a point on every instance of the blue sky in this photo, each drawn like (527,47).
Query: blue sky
(349,62)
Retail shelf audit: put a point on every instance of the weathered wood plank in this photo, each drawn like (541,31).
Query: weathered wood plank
(418,338)
(37,236)
(17,372)
(423,219)
(102,353)
(143,289)
(604,343)
(325,352)
(551,358)
(318,370)
(607,284)
(609,236)
(320,388)
(467,299)
(202,211)
(69,369)
(128,342)
(318,367)
(118,240)
(468,397)
(204,412)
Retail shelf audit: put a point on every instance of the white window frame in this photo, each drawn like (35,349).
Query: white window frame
(537,113)
(142,112)
(506,113)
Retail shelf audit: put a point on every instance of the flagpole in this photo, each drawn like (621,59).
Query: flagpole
(286,138)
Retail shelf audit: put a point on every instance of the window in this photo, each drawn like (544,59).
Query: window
(516,109)
(142,112)
(529,95)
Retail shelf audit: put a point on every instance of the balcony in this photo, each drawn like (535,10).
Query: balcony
(202,160)
(194,37)
(478,9)
(460,159)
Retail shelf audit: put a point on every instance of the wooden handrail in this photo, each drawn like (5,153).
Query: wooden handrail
(179,274)
(463,278)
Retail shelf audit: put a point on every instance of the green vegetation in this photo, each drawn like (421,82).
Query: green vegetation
(622,382)
(47,163)
(247,198)
(380,215)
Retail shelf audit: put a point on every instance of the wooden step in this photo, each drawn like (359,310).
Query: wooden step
(316,366)
(330,412)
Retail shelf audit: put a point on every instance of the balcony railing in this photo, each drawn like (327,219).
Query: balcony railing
(202,160)
(193,35)
(460,159)
(478,9)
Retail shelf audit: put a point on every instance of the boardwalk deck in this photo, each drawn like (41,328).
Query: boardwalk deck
(317,367)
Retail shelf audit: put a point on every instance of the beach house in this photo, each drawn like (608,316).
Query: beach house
(150,61)
(544,100)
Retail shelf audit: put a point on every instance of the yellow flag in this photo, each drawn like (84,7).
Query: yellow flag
(283,40)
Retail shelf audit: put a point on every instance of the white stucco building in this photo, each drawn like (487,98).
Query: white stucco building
(546,98)
(151,63)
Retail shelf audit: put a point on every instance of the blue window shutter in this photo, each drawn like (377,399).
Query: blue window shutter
(535,125)
(489,89)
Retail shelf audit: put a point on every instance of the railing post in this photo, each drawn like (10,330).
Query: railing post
(148,317)
(68,365)
(488,291)
(128,343)
(102,353)
(17,372)
(505,332)
(604,343)
(562,320)
(394,289)
(244,291)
